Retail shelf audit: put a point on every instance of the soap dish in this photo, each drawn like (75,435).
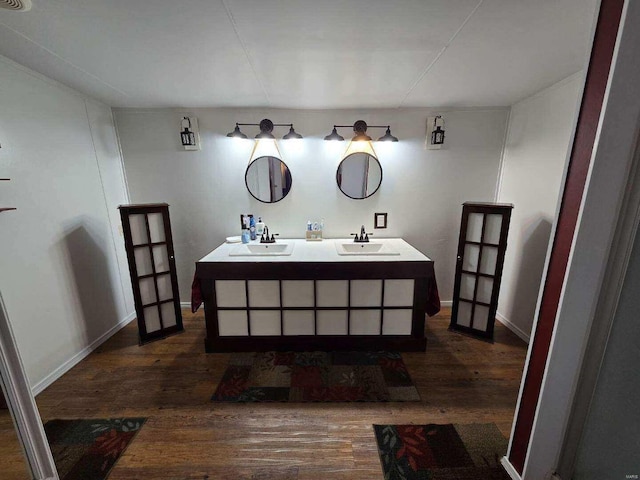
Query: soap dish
(314,235)
(237,239)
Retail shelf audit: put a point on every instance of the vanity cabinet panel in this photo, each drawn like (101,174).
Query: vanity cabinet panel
(481,249)
(332,293)
(232,323)
(397,322)
(231,293)
(297,293)
(298,322)
(264,293)
(398,293)
(364,322)
(366,293)
(149,246)
(332,322)
(265,322)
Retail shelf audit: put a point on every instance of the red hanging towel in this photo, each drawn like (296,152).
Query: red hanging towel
(196,294)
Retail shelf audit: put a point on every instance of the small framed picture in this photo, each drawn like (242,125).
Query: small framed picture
(379,220)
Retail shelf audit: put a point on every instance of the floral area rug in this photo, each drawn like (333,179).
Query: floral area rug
(316,377)
(441,452)
(89,449)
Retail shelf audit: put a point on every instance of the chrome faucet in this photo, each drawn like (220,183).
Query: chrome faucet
(364,236)
(265,236)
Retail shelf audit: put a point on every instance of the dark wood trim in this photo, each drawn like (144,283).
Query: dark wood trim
(315,342)
(313,270)
(579,163)
(419,272)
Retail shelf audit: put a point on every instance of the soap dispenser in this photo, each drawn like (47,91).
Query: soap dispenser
(259,227)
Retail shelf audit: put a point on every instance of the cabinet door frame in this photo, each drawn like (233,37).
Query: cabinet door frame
(503,210)
(126,211)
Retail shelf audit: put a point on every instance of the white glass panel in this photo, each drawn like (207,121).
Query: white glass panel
(332,293)
(397,322)
(398,293)
(147,291)
(470,260)
(232,323)
(365,322)
(467,285)
(298,322)
(264,293)
(474,227)
(489,260)
(165,289)
(264,322)
(464,314)
(143,261)
(485,289)
(168,311)
(156,227)
(161,258)
(481,318)
(297,293)
(138,229)
(231,293)
(366,293)
(332,322)
(492,228)
(152,319)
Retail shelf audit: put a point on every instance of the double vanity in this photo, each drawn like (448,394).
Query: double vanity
(335,294)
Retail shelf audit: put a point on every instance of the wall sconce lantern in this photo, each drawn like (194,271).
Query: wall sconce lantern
(266,129)
(360,129)
(436,139)
(189,135)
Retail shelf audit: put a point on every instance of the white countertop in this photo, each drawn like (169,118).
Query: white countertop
(322,251)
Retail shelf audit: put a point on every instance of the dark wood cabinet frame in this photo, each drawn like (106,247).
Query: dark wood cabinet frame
(420,272)
(146,209)
(485,209)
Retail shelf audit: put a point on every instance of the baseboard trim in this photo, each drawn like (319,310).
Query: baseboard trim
(185,305)
(514,328)
(511,471)
(81,355)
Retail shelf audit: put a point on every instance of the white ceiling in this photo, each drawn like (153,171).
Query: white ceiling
(302,53)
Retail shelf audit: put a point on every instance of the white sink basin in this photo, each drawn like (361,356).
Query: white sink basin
(371,248)
(261,249)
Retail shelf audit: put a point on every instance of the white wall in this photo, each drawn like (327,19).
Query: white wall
(63,271)
(610,446)
(422,190)
(535,154)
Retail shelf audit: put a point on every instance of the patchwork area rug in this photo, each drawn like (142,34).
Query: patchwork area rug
(89,449)
(441,452)
(316,377)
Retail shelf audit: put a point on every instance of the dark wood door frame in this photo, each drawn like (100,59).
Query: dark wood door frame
(580,160)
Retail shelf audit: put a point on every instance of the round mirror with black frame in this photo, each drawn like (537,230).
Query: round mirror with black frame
(268,179)
(359,175)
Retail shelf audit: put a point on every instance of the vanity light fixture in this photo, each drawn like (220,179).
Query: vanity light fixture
(266,129)
(188,135)
(360,129)
(237,133)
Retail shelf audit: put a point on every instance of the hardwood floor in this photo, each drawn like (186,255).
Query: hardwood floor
(460,380)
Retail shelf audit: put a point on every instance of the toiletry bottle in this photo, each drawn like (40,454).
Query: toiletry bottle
(259,227)
(252,227)
(309,225)
(245,230)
